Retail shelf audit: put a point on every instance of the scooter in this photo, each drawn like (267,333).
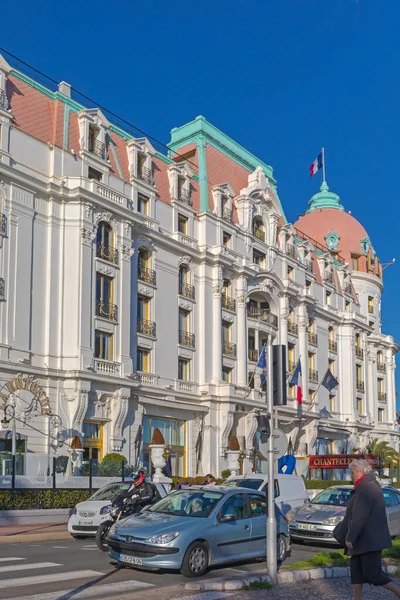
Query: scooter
(120,509)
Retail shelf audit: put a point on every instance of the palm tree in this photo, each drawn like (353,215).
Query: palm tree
(387,455)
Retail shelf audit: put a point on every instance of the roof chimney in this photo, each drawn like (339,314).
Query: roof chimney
(64,88)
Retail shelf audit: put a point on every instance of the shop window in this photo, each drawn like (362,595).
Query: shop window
(183,369)
(6,455)
(226,239)
(173,431)
(103,345)
(92,441)
(182,224)
(143,361)
(143,205)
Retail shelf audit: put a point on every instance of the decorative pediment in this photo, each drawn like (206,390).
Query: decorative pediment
(95,116)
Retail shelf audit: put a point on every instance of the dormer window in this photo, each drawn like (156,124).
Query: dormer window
(184,194)
(143,171)
(143,205)
(258,229)
(227,212)
(95,145)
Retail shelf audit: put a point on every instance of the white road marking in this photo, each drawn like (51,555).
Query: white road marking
(90,546)
(35,545)
(50,578)
(203,596)
(26,567)
(61,547)
(90,549)
(236,570)
(11,558)
(92,591)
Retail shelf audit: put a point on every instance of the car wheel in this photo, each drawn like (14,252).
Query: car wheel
(282,549)
(195,562)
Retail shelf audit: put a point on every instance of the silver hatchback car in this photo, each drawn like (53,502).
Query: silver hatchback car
(195,528)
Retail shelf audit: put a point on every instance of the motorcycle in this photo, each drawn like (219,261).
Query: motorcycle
(120,509)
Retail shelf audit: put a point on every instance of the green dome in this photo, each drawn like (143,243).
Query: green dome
(324,199)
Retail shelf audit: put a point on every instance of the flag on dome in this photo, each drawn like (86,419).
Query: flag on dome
(316,165)
(297,379)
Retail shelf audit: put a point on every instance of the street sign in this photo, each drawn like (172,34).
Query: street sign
(280,444)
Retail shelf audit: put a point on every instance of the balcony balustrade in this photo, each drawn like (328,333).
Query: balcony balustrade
(186,290)
(106,310)
(98,148)
(146,275)
(229,349)
(146,327)
(187,339)
(107,253)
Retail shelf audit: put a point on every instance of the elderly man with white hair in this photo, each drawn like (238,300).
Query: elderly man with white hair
(364,531)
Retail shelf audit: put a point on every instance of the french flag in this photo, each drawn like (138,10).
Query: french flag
(316,165)
(297,380)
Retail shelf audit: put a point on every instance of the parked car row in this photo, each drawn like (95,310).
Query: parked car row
(194,528)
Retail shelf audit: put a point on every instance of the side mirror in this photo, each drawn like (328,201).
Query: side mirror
(227,519)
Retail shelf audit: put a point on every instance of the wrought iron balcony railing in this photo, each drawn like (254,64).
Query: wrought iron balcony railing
(292,327)
(382,396)
(332,345)
(290,250)
(359,352)
(313,375)
(187,339)
(106,310)
(107,253)
(312,338)
(227,215)
(145,174)
(3,224)
(381,367)
(146,275)
(146,327)
(229,349)
(253,355)
(185,196)
(228,303)
(360,385)
(263,315)
(98,148)
(259,234)
(186,290)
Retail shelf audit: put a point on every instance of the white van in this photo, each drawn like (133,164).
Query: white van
(290,490)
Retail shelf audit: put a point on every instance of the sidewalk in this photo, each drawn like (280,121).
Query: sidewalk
(16,534)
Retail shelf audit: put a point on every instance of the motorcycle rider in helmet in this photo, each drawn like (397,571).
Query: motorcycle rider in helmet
(142,491)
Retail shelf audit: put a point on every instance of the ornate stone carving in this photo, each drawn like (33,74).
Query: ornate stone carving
(83,401)
(217,290)
(87,236)
(89,211)
(126,252)
(227,317)
(250,428)
(121,402)
(241,301)
(185,260)
(128,229)
(104,216)
(105,270)
(226,431)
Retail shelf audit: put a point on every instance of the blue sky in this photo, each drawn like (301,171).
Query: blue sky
(282,77)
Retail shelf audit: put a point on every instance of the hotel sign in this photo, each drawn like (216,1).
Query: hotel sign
(340,461)
(30,384)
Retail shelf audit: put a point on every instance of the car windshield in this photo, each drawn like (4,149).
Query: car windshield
(187,503)
(111,491)
(333,497)
(251,484)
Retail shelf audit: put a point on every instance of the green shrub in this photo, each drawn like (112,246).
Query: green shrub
(29,499)
(225,473)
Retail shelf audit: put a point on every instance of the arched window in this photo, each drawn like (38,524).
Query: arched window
(258,229)
(105,243)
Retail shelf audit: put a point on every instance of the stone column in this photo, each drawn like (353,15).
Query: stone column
(87,298)
(283,325)
(371,386)
(390,387)
(303,346)
(217,332)
(125,302)
(242,338)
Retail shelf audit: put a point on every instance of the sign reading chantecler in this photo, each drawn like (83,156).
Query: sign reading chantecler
(30,384)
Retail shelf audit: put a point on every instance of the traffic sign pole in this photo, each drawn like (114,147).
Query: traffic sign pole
(272,566)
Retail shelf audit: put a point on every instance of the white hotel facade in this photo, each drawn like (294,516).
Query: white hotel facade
(137,290)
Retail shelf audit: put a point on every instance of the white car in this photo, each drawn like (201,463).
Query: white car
(290,490)
(87,516)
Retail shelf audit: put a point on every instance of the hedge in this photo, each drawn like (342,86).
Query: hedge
(32,499)
(319,484)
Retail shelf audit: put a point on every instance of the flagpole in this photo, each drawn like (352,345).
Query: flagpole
(323,165)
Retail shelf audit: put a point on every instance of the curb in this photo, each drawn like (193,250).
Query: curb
(287,576)
(34,537)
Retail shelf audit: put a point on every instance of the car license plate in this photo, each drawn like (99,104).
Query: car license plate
(85,523)
(130,559)
(306,526)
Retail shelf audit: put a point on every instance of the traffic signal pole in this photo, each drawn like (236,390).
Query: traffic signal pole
(272,566)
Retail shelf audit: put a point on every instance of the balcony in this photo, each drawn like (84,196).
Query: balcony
(107,253)
(253,355)
(313,375)
(292,365)
(381,396)
(3,224)
(360,386)
(312,338)
(107,367)
(332,345)
(290,251)
(106,310)
(98,148)
(228,303)
(186,290)
(263,315)
(229,349)
(145,174)
(292,327)
(227,215)
(259,234)
(381,367)
(146,327)
(185,196)
(187,339)
(2,289)
(328,277)
(146,275)
(359,352)
(147,378)
(3,100)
